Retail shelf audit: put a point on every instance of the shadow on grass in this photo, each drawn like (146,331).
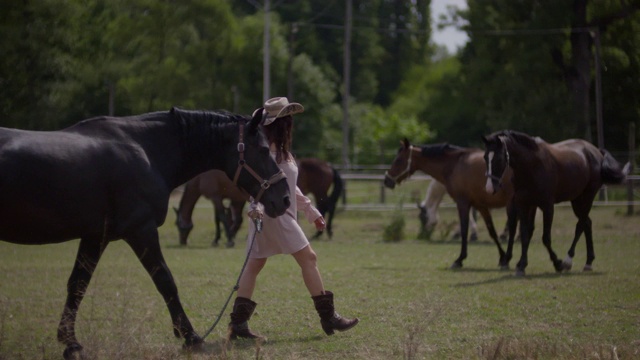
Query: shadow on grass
(218,347)
(511,276)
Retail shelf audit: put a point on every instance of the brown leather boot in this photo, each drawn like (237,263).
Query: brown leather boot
(239,325)
(329,318)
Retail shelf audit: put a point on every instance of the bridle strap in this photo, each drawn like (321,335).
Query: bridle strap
(405,171)
(242,164)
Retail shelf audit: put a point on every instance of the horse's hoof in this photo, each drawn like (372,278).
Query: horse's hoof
(214,244)
(456,265)
(566,266)
(504,267)
(520,272)
(558,265)
(231,244)
(587,267)
(72,352)
(473,237)
(193,343)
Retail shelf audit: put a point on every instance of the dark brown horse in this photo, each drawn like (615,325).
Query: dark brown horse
(315,176)
(108,178)
(462,171)
(545,174)
(215,186)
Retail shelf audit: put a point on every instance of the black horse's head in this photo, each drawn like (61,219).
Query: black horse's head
(256,171)
(496,157)
(400,167)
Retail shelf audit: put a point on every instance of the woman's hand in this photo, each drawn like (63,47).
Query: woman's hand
(319,223)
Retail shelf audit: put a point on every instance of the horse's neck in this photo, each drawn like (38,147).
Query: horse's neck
(522,160)
(436,166)
(202,149)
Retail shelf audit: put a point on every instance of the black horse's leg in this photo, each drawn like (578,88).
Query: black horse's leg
(463,214)
(236,218)
(146,246)
(89,253)
(227,221)
(512,224)
(486,216)
(218,215)
(567,263)
(581,208)
(330,212)
(547,221)
(322,208)
(527,215)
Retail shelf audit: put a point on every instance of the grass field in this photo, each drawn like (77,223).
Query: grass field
(411,306)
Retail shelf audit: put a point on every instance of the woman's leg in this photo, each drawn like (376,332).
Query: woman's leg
(248,279)
(307,260)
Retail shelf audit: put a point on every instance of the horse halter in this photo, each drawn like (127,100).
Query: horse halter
(242,164)
(405,171)
(492,176)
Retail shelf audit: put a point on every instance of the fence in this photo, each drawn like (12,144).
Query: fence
(376,197)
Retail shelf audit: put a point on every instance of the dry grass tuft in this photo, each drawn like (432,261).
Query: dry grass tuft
(512,349)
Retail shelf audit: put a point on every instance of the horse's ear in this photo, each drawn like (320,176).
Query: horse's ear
(406,143)
(256,119)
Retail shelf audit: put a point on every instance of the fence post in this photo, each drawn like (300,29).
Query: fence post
(632,158)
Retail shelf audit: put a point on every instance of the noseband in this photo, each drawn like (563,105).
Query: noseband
(496,178)
(405,171)
(242,164)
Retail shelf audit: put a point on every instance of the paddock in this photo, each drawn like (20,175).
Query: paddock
(411,306)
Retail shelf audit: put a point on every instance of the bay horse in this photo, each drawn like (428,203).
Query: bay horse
(109,178)
(317,177)
(215,186)
(428,214)
(544,174)
(462,171)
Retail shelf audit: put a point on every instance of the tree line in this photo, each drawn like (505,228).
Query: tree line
(528,66)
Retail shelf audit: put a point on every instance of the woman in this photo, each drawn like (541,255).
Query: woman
(283,235)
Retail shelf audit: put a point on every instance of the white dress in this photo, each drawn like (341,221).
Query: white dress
(283,235)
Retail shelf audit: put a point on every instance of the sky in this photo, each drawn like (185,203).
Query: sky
(449,37)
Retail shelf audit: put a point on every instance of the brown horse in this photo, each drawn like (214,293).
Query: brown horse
(315,176)
(545,174)
(462,172)
(215,186)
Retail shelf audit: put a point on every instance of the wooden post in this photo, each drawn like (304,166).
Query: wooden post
(632,158)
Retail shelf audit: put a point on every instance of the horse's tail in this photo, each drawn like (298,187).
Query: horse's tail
(611,171)
(338,187)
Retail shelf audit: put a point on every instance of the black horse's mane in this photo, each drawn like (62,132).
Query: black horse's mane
(438,149)
(215,118)
(205,122)
(521,138)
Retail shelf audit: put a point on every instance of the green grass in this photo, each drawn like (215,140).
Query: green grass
(410,305)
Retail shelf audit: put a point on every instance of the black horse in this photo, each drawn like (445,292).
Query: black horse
(109,178)
(545,174)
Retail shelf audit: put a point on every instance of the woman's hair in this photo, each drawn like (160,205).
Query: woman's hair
(279,133)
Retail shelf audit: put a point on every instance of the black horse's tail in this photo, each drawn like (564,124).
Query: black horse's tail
(338,186)
(611,171)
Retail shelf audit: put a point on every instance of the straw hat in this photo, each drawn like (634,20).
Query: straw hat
(279,107)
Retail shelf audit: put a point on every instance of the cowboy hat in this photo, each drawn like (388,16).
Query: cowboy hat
(279,107)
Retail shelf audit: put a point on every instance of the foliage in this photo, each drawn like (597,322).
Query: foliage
(394,231)
(523,68)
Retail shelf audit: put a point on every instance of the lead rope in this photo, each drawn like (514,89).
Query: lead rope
(257,220)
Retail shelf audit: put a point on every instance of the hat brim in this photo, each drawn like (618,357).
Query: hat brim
(290,109)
